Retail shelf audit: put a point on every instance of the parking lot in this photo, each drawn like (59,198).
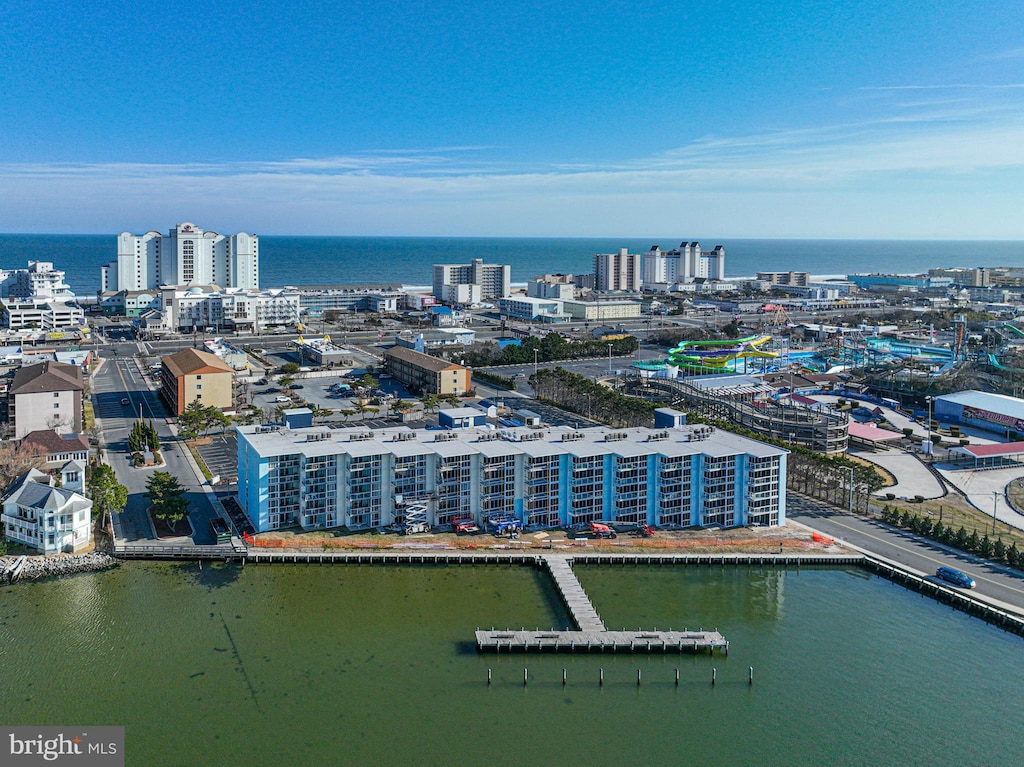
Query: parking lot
(221,457)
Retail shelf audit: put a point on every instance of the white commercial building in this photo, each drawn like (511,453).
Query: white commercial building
(39,280)
(186,255)
(559,287)
(527,308)
(602,311)
(38,297)
(663,268)
(550,476)
(471,283)
(207,308)
(43,314)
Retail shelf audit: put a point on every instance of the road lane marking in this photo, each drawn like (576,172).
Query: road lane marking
(1000,584)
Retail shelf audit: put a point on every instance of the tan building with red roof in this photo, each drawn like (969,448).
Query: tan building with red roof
(428,374)
(191,375)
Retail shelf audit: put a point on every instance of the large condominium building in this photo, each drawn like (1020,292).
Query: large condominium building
(677,477)
(186,255)
(38,297)
(617,271)
(195,309)
(40,280)
(683,264)
(470,283)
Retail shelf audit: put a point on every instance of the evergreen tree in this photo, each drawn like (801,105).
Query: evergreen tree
(166,497)
(108,495)
(999,550)
(1013,556)
(985,547)
(974,542)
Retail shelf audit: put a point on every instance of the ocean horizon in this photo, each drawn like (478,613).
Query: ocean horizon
(297,260)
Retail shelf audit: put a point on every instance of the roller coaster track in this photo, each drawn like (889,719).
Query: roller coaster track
(820,430)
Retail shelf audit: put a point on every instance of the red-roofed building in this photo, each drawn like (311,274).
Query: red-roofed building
(995,456)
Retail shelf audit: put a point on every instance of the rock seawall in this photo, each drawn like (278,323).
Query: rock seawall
(37,567)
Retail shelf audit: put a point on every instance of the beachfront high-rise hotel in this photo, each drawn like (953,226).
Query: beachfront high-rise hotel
(186,255)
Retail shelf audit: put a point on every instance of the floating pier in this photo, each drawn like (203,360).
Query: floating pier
(591,634)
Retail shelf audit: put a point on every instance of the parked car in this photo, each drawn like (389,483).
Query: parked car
(281,398)
(272,390)
(295,386)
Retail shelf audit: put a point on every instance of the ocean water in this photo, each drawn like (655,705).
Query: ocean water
(286,260)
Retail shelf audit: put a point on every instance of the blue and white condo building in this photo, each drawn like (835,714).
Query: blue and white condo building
(319,478)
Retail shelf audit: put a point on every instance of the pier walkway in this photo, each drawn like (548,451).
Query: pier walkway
(576,600)
(591,634)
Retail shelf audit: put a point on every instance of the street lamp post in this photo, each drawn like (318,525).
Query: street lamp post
(995,505)
(609,359)
(851,490)
(588,396)
(535,363)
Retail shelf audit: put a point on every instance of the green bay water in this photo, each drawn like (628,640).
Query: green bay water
(290,665)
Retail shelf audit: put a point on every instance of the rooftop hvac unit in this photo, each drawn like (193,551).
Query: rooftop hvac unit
(404,436)
(614,436)
(445,436)
(319,436)
(488,436)
(360,436)
(572,436)
(658,436)
(266,429)
(531,436)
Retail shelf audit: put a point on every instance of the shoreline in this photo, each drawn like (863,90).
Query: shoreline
(39,566)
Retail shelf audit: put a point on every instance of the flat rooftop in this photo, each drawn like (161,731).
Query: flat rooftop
(315,441)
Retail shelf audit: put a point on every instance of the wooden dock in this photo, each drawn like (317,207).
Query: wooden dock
(591,634)
(569,588)
(600,641)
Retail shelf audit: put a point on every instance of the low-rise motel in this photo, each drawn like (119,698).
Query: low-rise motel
(683,476)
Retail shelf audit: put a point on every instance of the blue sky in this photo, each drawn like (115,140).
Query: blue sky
(742,119)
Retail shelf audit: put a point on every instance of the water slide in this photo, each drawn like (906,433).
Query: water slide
(1013,329)
(718,355)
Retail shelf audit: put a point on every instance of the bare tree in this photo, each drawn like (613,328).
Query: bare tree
(16,459)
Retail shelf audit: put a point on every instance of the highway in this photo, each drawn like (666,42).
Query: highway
(996,583)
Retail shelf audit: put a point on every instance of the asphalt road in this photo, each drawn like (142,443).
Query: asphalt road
(925,556)
(119,378)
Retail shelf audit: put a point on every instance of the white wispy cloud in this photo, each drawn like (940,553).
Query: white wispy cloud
(904,169)
(1005,55)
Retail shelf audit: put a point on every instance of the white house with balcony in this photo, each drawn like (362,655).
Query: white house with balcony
(44,517)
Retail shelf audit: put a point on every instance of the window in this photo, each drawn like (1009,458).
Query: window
(56,394)
(56,405)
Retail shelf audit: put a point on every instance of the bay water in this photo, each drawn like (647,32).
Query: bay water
(290,665)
